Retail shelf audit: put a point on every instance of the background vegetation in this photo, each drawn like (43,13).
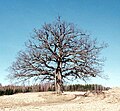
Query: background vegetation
(11,89)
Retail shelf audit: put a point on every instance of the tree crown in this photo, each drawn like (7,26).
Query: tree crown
(59,47)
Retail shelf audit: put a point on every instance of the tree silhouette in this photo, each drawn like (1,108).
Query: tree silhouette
(57,52)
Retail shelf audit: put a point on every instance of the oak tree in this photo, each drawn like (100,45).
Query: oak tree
(58,52)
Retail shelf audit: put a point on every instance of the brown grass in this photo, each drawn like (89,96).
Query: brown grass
(48,101)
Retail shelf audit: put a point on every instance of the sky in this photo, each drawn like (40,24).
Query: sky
(101,18)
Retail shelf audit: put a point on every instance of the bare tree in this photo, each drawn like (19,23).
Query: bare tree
(57,52)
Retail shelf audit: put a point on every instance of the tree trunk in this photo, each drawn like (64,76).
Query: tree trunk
(59,84)
(58,79)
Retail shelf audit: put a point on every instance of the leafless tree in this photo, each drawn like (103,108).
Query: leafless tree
(57,52)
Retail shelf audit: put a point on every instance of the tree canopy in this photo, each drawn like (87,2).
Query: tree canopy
(58,52)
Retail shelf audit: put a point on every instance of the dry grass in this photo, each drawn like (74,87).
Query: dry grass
(48,101)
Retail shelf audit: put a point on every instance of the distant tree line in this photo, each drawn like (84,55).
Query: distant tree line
(10,89)
(79,87)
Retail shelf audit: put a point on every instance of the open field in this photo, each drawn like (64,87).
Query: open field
(69,101)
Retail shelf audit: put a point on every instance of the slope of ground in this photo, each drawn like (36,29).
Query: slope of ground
(69,101)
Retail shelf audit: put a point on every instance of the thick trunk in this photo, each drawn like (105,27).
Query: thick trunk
(58,79)
(59,84)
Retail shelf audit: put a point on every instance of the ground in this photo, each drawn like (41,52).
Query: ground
(69,101)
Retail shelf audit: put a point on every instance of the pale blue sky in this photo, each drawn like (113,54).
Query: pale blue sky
(101,18)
